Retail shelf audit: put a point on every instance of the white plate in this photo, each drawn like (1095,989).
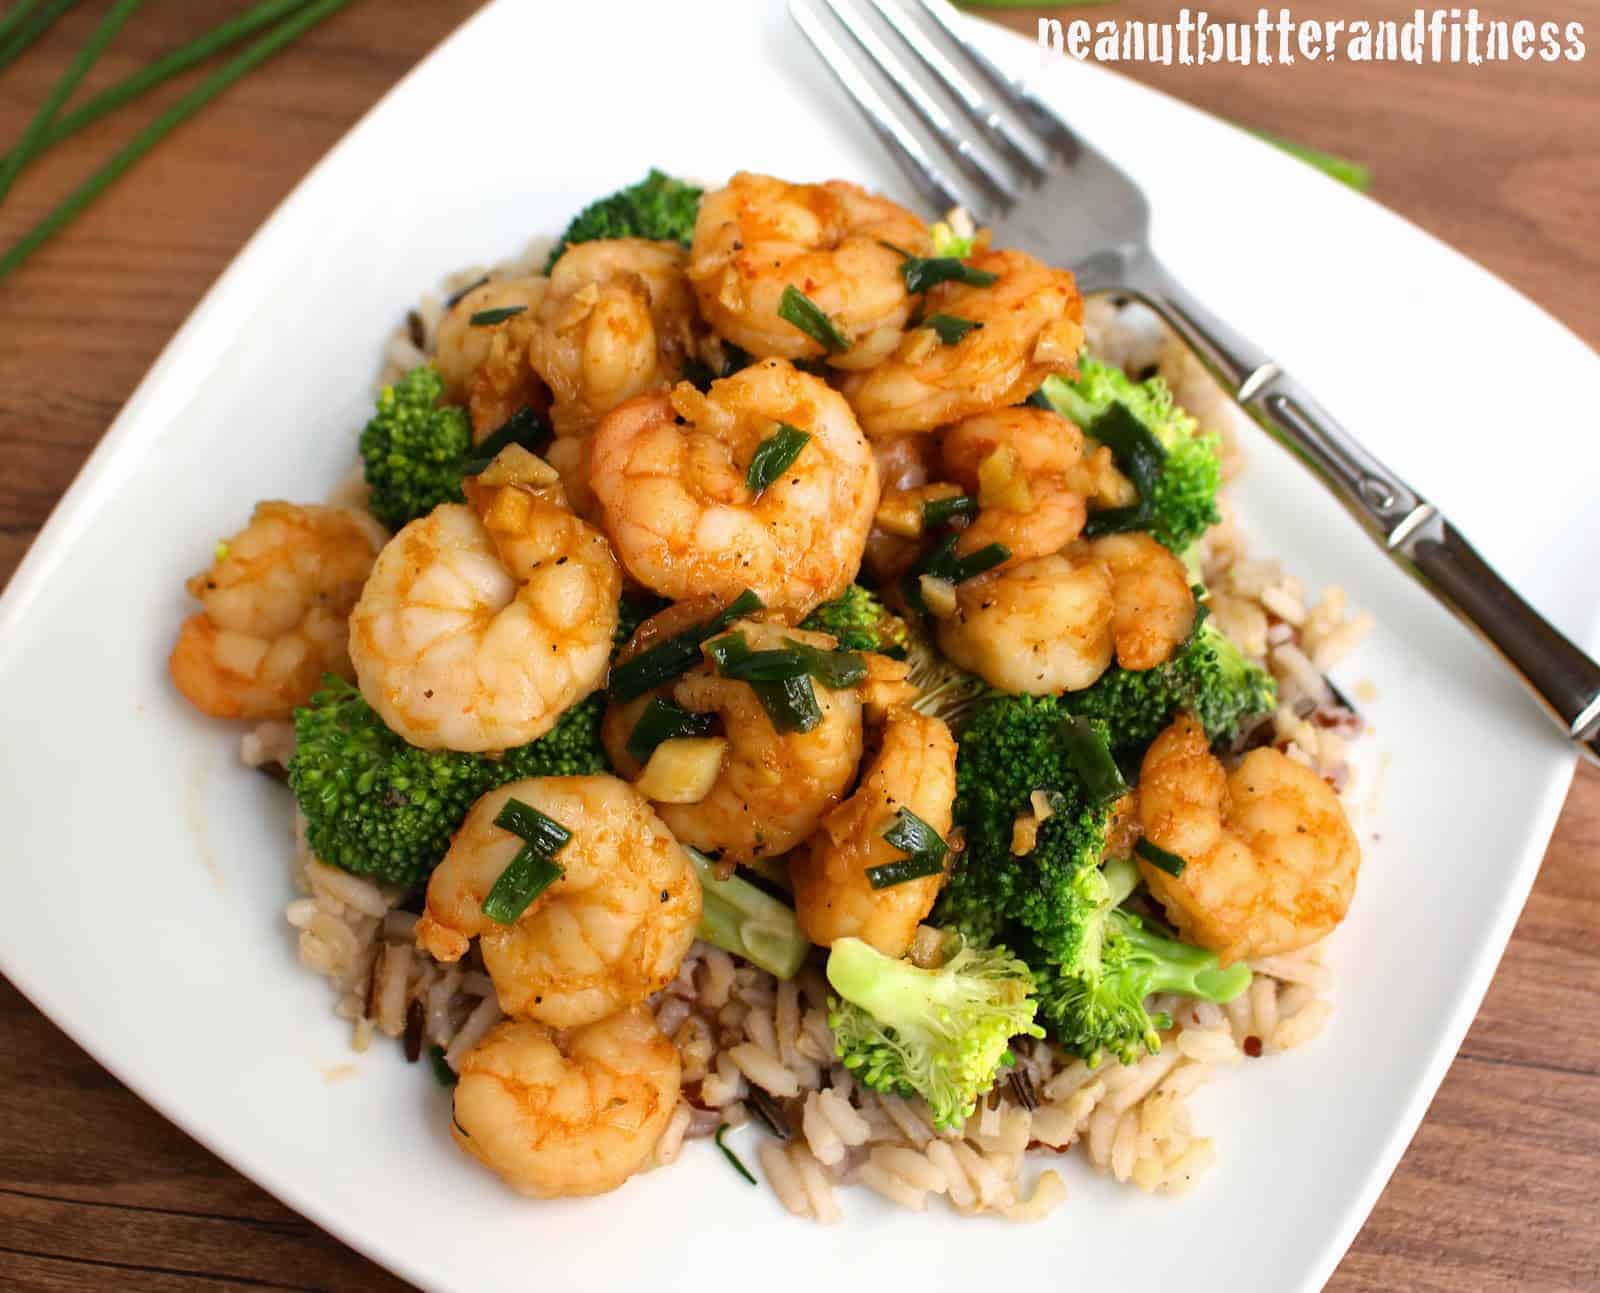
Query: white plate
(146,869)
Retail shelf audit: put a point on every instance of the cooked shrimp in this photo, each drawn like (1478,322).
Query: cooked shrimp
(670,474)
(1271,860)
(774,786)
(1154,603)
(907,470)
(1037,628)
(274,606)
(562,1114)
(1016,461)
(482,624)
(760,236)
(915,769)
(1032,319)
(609,932)
(487,365)
(618,320)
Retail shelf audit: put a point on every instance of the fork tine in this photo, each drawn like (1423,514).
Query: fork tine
(1016,95)
(941,189)
(979,162)
(1026,151)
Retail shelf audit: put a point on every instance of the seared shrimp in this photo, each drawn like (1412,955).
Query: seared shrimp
(907,472)
(773,787)
(760,236)
(563,1114)
(487,365)
(1037,628)
(1271,860)
(1016,461)
(1032,319)
(670,473)
(275,602)
(482,624)
(1154,603)
(618,320)
(915,769)
(609,932)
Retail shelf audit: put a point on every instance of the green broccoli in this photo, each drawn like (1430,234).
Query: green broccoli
(1177,468)
(744,919)
(412,449)
(1093,1002)
(1207,674)
(657,207)
(377,806)
(941,1033)
(1013,747)
(861,622)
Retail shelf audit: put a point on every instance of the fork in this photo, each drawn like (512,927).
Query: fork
(986,142)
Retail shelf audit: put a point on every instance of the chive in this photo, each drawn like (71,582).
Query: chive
(1089,752)
(1353,174)
(923,272)
(30,27)
(734,659)
(543,833)
(835,670)
(524,427)
(670,659)
(442,1072)
(902,870)
(168,120)
(942,563)
(733,1158)
(12,20)
(940,511)
(33,136)
(976,563)
(914,837)
(660,721)
(1140,457)
(457,297)
(1159,858)
(531,872)
(804,313)
(488,318)
(791,705)
(774,455)
(950,328)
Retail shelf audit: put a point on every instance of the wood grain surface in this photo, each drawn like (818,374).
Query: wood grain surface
(97,1192)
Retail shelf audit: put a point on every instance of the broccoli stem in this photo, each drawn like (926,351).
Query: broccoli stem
(1177,967)
(740,918)
(1122,878)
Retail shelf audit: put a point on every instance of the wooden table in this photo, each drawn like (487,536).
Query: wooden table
(96,1191)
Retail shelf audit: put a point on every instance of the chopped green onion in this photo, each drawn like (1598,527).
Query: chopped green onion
(804,313)
(661,720)
(734,659)
(1140,456)
(1089,752)
(923,272)
(1039,400)
(904,869)
(791,705)
(915,837)
(1353,174)
(1159,858)
(733,1158)
(30,27)
(457,297)
(835,670)
(524,427)
(531,872)
(670,659)
(774,455)
(487,318)
(950,328)
(532,827)
(941,511)
(942,563)
(442,1072)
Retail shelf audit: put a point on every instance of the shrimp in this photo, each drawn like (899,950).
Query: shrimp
(618,320)
(487,365)
(1037,628)
(774,787)
(483,623)
(906,473)
(274,606)
(915,769)
(1271,860)
(760,236)
(1154,603)
(561,1114)
(1017,461)
(1032,319)
(670,472)
(609,932)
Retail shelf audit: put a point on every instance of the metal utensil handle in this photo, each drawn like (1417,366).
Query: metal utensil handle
(1564,680)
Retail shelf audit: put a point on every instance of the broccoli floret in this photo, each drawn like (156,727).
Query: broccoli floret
(1094,1003)
(1011,748)
(412,450)
(942,1034)
(657,207)
(377,806)
(1208,675)
(860,622)
(1179,499)
(742,918)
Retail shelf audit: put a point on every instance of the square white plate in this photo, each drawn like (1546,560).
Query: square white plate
(146,869)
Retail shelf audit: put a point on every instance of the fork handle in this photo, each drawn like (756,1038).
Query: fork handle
(1410,529)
